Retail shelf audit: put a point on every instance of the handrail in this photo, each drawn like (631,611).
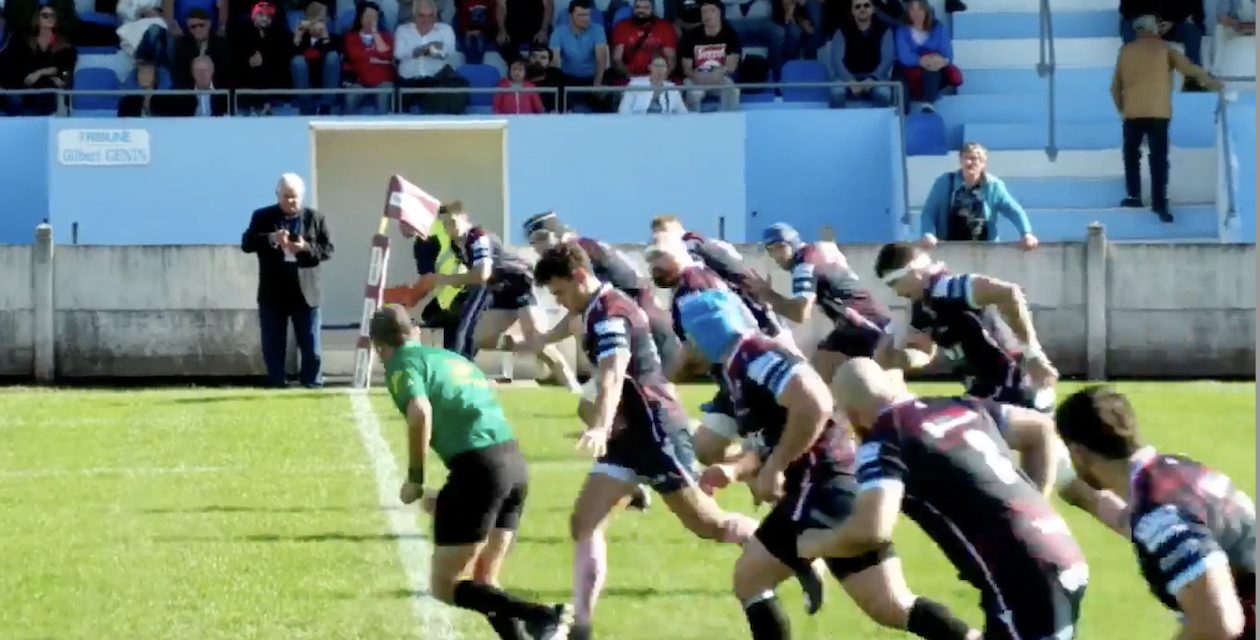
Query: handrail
(1223,98)
(1046,69)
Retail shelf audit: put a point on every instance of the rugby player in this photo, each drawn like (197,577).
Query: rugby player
(639,434)
(943,463)
(802,461)
(1194,532)
(449,406)
(675,268)
(821,276)
(504,293)
(440,307)
(952,312)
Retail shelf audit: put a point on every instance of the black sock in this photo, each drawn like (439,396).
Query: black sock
(767,621)
(932,620)
(506,628)
(495,602)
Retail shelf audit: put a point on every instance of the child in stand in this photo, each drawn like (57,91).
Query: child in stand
(517,102)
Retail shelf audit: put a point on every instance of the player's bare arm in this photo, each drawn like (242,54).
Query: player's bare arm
(794,308)
(1032,434)
(611,375)
(809,407)
(562,330)
(1209,604)
(742,468)
(419,432)
(1011,303)
(905,348)
(869,527)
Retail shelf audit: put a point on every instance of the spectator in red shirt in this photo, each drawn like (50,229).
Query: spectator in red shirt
(475,23)
(635,42)
(517,102)
(369,58)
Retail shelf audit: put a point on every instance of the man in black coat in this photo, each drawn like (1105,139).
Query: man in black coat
(291,241)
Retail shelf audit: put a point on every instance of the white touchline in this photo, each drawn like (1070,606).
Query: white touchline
(413,550)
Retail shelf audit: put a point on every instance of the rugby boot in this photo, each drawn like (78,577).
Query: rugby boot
(641,500)
(812,590)
(555,626)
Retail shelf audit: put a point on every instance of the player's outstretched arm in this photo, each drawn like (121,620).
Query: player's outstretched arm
(1008,297)
(1209,603)
(809,407)
(904,348)
(1032,434)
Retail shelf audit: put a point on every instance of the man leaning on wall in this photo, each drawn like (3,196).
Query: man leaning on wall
(291,241)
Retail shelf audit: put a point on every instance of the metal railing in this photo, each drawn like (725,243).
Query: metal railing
(1046,69)
(66,98)
(1223,99)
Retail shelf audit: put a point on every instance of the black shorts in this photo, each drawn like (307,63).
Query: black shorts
(824,505)
(653,449)
(484,490)
(854,340)
(1038,605)
(512,290)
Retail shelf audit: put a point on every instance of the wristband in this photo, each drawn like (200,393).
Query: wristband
(415,474)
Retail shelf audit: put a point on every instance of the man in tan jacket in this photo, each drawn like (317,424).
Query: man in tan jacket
(1142,90)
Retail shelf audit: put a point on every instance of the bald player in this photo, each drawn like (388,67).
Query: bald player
(943,462)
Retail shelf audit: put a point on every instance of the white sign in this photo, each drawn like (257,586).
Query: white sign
(103,147)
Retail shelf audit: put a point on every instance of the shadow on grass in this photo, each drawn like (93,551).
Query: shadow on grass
(314,537)
(559,595)
(261,394)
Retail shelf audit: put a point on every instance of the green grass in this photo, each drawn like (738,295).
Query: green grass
(217,514)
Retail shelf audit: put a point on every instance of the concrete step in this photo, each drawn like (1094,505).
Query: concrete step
(1027,6)
(985,25)
(1192,179)
(1187,134)
(1026,53)
(1080,80)
(1071,193)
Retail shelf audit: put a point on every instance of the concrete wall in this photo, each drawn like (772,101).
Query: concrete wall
(1102,309)
(203,178)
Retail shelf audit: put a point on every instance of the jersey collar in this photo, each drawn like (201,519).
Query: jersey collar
(599,293)
(1139,462)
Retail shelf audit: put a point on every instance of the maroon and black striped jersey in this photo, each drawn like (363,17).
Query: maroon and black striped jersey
(613,267)
(755,375)
(718,256)
(616,324)
(1186,518)
(480,245)
(835,287)
(964,490)
(973,338)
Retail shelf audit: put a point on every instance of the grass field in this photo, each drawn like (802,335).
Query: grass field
(216,514)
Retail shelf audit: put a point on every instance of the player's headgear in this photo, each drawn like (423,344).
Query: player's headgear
(781,232)
(714,321)
(546,221)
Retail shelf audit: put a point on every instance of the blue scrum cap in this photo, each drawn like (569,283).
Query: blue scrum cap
(545,221)
(780,232)
(713,321)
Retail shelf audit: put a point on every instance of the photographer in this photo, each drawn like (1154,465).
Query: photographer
(963,205)
(291,241)
(316,62)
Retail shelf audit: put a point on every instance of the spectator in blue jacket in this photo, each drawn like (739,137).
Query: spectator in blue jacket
(963,205)
(925,55)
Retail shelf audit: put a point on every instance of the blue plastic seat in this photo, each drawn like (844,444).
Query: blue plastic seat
(294,18)
(163,80)
(99,17)
(480,76)
(95,79)
(344,21)
(925,135)
(622,14)
(801,71)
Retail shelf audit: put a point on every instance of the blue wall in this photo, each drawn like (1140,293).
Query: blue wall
(1242,124)
(608,174)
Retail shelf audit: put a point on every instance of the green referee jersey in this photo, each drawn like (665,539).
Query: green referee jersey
(466,415)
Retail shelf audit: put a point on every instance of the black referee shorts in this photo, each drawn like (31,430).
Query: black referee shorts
(484,490)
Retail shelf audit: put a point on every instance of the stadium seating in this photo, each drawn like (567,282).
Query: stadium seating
(95,79)
(480,76)
(803,71)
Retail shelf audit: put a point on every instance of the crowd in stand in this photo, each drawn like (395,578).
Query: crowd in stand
(675,56)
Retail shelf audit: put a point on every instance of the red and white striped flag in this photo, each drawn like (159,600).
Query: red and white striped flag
(411,206)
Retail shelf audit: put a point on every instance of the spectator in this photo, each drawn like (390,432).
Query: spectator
(753,21)
(542,74)
(476,23)
(144,103)
(42,60)
(221,10)
(925,52)
(369,58)
(802,22)
(517,102)
(262,59)
(640,40)
(710,56)
(663,96)
(291,241)
(962,205)
(142,31)
(684,14)
(317,61)
(580,49)
(197,42)
(1179,21)
(422,49)
(203,103)
(521,23)
(1239,16)
(862,51)
(1141,88)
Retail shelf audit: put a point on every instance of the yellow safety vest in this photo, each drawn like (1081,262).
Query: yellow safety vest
(447,263)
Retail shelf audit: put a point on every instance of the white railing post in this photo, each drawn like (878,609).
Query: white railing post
(1096,295)
(45,332)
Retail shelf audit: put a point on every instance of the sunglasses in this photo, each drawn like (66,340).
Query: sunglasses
(198,25)
(865,5)
(47,14)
